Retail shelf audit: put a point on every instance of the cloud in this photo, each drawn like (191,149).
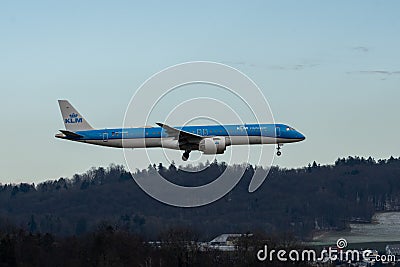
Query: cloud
(233,62)
(362,49)
(384,74)
(272,67)
(292,67)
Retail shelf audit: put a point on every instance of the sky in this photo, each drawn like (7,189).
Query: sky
(331,69)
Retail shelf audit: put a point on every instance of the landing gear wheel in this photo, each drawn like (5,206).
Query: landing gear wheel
(278,152)
(185,155)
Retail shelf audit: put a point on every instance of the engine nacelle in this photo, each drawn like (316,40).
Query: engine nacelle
(213,145)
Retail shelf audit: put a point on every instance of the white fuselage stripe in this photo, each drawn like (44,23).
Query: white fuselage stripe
(172,143)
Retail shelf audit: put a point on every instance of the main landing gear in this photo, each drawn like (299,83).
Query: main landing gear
(278,148)
(185,155)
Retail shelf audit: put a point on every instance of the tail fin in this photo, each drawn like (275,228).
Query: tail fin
(73,120)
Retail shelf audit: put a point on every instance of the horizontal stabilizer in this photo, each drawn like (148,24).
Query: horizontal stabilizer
(71,134)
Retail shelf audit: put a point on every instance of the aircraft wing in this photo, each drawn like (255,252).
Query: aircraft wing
(179,134)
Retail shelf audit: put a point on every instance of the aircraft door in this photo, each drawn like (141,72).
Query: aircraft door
(105,137)
(277,132)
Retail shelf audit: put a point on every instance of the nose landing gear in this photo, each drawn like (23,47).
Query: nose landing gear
(185,155)
(278,148)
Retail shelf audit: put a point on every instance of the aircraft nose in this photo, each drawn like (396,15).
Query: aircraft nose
(301,136)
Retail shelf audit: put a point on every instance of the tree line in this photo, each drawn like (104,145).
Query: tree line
(297,201)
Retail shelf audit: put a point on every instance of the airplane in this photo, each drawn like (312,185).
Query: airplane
(209,139)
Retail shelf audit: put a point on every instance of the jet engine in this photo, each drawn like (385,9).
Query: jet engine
(213,145)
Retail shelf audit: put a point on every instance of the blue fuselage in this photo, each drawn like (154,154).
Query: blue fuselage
(265,133)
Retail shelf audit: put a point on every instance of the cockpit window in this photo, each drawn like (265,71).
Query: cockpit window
(289,129)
